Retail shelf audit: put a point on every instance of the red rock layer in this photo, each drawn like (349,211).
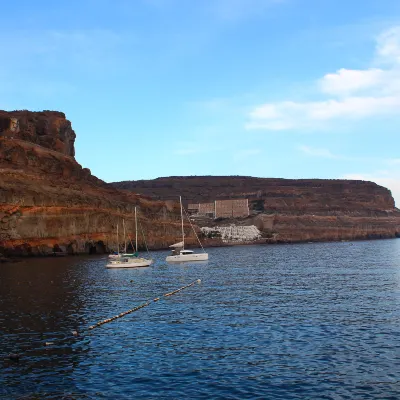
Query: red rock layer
(49,202)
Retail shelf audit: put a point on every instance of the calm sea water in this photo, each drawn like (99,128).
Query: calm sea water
(310,321)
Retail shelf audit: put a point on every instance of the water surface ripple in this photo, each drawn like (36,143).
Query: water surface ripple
(309,321)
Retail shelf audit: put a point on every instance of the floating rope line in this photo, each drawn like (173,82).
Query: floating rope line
(15,357)
(184,287)
(147,303)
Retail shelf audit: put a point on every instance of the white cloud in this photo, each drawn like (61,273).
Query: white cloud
(388,179)
(388,45)
(290,115)
(354,95)
(346,81)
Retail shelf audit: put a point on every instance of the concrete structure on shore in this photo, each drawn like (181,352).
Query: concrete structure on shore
(233,208)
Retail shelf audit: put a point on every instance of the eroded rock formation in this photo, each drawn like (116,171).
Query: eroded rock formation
(289,210)
(49,129)
(48,202)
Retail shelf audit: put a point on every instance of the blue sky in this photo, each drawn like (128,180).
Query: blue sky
(269,88)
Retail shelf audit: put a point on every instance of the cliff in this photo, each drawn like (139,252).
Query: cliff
(290,210)
(48,202)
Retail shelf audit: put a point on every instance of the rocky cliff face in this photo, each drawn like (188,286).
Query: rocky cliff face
(48,129)
(48,202)
(288,210)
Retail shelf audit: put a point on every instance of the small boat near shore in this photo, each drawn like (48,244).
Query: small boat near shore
(128,260)
(179,253)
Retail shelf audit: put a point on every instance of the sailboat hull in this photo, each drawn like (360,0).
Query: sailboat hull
(129,263)
(187,257)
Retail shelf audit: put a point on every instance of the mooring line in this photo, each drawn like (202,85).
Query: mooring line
(147,303)
(17,356)
(184,287)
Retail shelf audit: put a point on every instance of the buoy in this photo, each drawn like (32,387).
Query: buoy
(75,333)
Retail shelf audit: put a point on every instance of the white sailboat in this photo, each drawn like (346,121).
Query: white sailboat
(115,256)
(130,260)
(179,254)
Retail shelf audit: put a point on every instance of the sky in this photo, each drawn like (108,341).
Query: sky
(268,88)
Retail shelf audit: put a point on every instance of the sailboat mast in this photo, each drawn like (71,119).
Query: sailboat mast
(123,224)
(136,230)
(183,232)
(117,240)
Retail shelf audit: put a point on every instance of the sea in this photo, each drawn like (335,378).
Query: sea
(293,321)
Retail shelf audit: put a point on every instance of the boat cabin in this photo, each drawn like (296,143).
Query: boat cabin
(180,252)
(186,252)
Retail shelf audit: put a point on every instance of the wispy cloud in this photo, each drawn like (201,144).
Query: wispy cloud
(356,94)
(393,161)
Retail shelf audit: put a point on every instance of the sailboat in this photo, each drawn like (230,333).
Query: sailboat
(130,260)
(179,253)
(115,255)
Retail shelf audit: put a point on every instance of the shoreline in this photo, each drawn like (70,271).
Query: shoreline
(19,258)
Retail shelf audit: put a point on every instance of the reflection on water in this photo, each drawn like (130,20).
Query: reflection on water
(291,321)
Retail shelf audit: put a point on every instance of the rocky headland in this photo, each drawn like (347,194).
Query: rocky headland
(288,210)
(50,203)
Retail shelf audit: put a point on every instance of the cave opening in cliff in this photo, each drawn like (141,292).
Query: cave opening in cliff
(100,247)
(90,248)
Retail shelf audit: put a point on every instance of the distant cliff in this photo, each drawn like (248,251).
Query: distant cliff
(48,202)
(290,210)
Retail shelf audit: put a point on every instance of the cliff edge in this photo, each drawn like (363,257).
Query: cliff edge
(49,202)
